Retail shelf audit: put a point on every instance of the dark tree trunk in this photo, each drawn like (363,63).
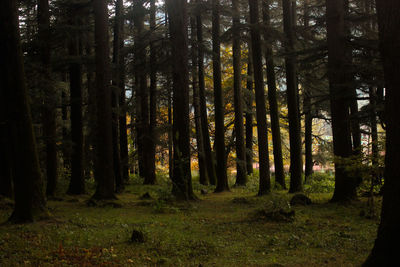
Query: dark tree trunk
(261,113)
(181,179)
(345,186)
(117,82)
(373,127)
(77,182)
(20,135)
(151,178)
(209,156)
(241,173)
(49,105)
(196,105)
(169,103)
(222,178)
(249,113)
(273,101)
(307,107)
(296,166)
(384,252)
(104,170)
(66,151)
(5,161)
(118,46)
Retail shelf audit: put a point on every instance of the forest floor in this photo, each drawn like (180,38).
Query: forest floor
(224,229)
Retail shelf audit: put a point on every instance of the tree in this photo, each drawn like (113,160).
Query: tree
(77,182)
(345,184)
(196,104)
(209,157)
(222,178)
(181,178)
(241,173)
(49,106)
(249,113)
(20,134)
(272,99)
(296,166)
(104,171)
(384,253)
(118,84)
(261,114)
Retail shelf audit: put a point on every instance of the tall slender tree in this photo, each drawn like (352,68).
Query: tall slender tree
(77,182)
(209,157)
(241,173)
(272,99)
(49,106)
(249,113)
(296,166)
(222,177)
(384,253)
(261,113)
(104,171)
(181,178)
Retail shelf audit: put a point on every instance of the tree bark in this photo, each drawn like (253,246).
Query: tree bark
(261,114)
(104,169)
(196,105)
(345,186)
(241,173)
(384,252)
(77,182)
(222,178)
(273,101)
(49,105)
(181,179)
(296,166)
(20,134)
(209,156)
(249,113)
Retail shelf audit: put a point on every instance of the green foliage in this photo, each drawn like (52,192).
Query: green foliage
(320,182)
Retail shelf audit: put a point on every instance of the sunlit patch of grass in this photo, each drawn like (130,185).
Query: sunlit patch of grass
(217,230)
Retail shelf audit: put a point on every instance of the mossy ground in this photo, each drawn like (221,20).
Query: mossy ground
(218,230)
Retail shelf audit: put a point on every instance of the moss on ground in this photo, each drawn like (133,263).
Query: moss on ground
(218,230)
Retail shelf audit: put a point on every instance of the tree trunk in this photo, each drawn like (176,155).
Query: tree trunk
(345,186)
(222,178)
(123,135)
(77,182)
(261,114)
(181,179)
(118,83)
(209,156)
(296,166)
(151,179)
(49,105)
(241,173)
(104,170)
(384,252)
(273,101)
(5,161)
(249,113)
(20,134)
(196,105)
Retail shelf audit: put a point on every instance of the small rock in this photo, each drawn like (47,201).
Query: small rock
(137,236)
(204,191)
(146,196)
(300,199)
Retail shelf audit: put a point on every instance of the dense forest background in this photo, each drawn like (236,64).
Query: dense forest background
(163,103)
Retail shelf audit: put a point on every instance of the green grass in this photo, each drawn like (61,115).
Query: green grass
(215,231)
